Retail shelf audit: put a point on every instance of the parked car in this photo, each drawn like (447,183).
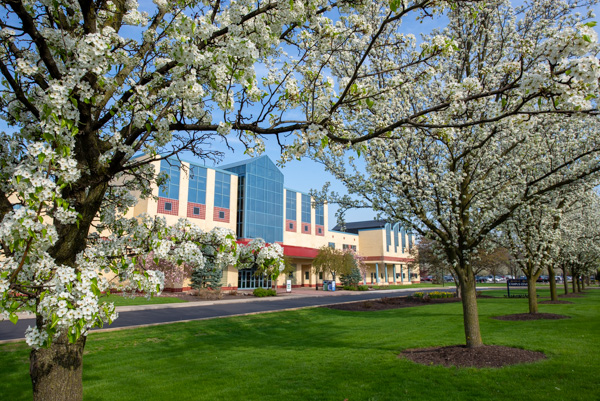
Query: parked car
(449,279)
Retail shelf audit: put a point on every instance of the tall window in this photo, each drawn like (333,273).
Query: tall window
(319,214)
(197,182)
(306,209)
(290,205)
(222,190)
(171,188)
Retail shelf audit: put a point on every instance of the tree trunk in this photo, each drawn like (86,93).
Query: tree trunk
(565,281)
(578,283)
(582,283)
(470,314)
(552,280)
(573,279)
(532,294)
(56,372)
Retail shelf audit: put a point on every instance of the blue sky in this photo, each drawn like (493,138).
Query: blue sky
(306,174)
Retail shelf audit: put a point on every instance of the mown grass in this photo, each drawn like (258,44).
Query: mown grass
(323,354)
(120,300)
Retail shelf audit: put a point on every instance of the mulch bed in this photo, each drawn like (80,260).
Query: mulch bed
(487,356)
(389,303)
(531,316)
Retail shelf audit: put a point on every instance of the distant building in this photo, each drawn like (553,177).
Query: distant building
(249,197)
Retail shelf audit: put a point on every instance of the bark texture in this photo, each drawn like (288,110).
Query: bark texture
(56,372)
(532,294)
(470,314)
(552,280)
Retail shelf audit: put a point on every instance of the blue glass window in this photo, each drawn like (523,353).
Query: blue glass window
(306,209)
(222,190)
(260,200)
(171,188)
(388,236)
(197,182)
(319,214)
(290,205)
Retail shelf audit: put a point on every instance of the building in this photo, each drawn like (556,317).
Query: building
(250,198)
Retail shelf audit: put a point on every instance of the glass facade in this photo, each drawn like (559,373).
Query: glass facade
(260,195)
(388,236)
(306,209)
(197,185)
(248,279)
(171,188)
(290,205)
(222,189)
(319,214)
(396,236)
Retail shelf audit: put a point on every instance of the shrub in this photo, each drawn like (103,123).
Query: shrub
(263,292)
(207,277)
(418,295)
(349,288)
(362,288)
(351,279)
(438,294)
(207,293)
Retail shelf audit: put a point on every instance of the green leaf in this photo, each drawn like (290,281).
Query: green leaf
(13,318)
(370,102)
(324,142)
(587,38)
(590,96)
(591,24)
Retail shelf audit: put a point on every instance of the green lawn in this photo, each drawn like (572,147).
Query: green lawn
(120,300)
(322,354)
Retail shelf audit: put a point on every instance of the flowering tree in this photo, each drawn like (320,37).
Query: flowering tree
(266,258)
(456,181)
(88,84)
(533,235)
(579,253)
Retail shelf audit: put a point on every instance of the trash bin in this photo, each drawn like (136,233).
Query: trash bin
(325,285)
(331,286)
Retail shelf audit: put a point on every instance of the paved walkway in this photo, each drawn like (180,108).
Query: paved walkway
(150,315)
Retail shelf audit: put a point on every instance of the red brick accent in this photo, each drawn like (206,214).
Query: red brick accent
(216,214)
(174,206)
(292,223)
(305,228)
(190,211)
(322,233)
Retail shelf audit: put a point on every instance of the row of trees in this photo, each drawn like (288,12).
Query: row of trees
(561,233)
(457,181)
(457,129)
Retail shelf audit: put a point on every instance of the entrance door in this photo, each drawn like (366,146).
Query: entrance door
(248,280)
